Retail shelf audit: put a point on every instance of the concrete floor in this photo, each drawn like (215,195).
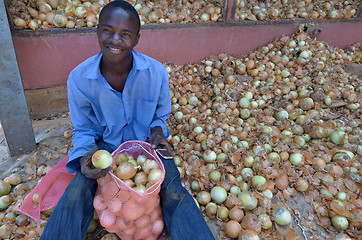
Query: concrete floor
(44,131)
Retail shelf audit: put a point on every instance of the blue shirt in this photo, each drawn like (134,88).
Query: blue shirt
(105,117)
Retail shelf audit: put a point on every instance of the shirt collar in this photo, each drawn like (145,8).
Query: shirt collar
(139,62)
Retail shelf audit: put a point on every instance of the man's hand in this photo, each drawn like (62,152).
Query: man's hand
(88,169)
(157,138)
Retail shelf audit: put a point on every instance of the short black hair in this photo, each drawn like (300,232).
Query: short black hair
(123,5)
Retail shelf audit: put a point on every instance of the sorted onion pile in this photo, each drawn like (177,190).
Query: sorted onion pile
(45,14)
(284,120)
(285,9)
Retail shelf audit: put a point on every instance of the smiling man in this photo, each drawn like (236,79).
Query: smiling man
(116,96)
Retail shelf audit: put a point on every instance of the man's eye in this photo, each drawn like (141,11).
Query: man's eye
(106,30)
(126,35)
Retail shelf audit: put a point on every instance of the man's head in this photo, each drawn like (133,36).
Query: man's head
(122,5)
(118,31)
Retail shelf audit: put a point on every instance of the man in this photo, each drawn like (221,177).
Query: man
(116,96)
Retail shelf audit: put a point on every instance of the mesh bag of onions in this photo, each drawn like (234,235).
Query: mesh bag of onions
(127,200)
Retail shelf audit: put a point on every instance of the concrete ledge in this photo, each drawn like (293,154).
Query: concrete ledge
(47,102)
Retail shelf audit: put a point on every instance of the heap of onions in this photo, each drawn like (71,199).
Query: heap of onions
(282,9)
(46,14)
(267,123)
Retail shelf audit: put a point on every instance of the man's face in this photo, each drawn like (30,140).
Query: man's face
(117,35)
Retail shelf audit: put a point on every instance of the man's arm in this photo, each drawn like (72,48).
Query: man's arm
(159,129)
(86,130)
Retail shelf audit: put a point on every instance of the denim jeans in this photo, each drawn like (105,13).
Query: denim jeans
(74,212)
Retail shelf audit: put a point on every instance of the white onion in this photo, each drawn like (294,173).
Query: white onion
(339,222)
(209,156)
(218,194)
(249,202)
(282,216)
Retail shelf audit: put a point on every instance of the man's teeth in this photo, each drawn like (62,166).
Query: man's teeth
(115,49)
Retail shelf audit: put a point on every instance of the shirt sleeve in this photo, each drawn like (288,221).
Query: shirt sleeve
(86,127)
(163,109)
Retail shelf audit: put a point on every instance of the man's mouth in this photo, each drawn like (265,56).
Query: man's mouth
(115,50)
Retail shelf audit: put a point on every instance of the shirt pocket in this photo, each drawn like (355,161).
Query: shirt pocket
(145,111)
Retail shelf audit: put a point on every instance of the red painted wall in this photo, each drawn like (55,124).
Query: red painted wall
(46,58)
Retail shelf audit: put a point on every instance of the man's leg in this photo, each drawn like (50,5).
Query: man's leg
(74,212)
(182,217)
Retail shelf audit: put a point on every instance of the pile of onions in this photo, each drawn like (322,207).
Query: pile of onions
(282,9)
(267,126)
(46,14)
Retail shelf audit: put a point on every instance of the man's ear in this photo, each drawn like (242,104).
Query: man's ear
(137,39)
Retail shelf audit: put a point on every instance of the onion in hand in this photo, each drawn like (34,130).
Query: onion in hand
(102,159)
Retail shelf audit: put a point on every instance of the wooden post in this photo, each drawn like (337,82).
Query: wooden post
(14,115)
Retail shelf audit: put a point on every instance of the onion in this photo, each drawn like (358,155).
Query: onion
(249,202)
(5,202)
(209,156)
(301,185)
(140,178)
(258,182)
(282,216)
(141,159)
(60,20)
(338,137)
(141,189)
(157,227)
(92,227)
(222,212)
(251,222)
(102,159)
(149,165)
(5,231)
(19,22)
(203,197)
(339,222)
(155,175)
(107,218)
(132,210)
(296,159)
(5,188)
(248,235)
(232,229)
(265,221)
(195,185)
(218,194)
(211,210)
(115,205)
(67,134)
(35,198)
(236,213)
(342,236)
(126,170)
(215,176)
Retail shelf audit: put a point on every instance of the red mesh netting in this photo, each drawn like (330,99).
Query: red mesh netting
(50,189)
(121,209)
